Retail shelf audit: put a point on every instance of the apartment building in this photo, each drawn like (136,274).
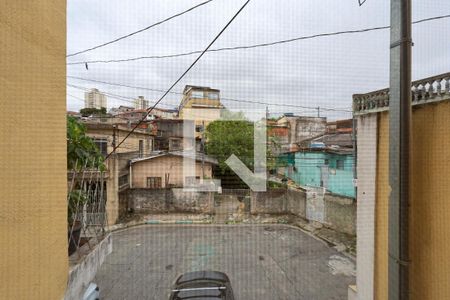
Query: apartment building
(94,99)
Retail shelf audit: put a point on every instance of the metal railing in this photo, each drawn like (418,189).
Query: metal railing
(87,216)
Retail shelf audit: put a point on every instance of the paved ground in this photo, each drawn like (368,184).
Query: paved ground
(263,262)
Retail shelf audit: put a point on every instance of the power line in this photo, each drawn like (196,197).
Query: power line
(223,98)
(75,97)
(140,30)
(181,77)
(253,46)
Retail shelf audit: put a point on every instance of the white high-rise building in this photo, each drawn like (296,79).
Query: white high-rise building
(94,99)
(141,103)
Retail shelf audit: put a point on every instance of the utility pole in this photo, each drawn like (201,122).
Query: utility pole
(203,150)
(114,138)
(399,149)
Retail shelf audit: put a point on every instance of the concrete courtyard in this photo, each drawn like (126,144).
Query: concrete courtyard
(263,262)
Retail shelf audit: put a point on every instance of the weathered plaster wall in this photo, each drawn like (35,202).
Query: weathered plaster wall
(33,178)
(159,166)
(381,209)
(271,202)
(169,200)
(81,274)
(296,202)
(340,213)
(365,228)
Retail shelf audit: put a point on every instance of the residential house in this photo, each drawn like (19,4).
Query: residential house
(135,115)
(200,104)
(299,129)
(429,206)
(340,126)
(138,144)
(165,170)
(121,109)
(73,114)
(278,137)
(164,113)
(168,134)
(325,162)
(105,135)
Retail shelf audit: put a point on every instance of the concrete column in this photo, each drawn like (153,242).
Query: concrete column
(365,226)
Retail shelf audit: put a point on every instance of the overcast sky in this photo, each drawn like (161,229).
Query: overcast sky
(320,72)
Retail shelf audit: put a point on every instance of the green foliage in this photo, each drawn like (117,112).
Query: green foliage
(86,112)
(228,137)
(81,149)
(225,138)
(77,198)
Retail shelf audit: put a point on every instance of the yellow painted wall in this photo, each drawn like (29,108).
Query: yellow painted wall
(381,209)
(33,214)
(430,205)
(129,145)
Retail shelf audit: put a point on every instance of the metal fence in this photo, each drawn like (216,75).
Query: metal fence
(86,202)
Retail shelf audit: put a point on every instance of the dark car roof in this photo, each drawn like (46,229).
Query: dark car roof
(202,285)
(202,275)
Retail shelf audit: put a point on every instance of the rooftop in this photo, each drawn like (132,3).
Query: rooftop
(185,154)
(202,88)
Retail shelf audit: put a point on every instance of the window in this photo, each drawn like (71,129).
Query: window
(192,180)
(213,96)
(175,145)
(123,180)
(141,148)
(154,182)
(340,164)
(198,128)
(197,94)
(102,145)
(327,162)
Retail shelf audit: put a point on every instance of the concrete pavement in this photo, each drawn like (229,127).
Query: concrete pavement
(262,261)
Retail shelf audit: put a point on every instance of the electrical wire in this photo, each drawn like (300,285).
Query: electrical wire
(140,30)
(181,77)
(253,46)
(222,98)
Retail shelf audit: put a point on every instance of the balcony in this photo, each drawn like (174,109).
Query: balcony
(428,90)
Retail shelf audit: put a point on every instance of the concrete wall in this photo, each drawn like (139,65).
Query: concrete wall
(33,178)
(169,200)
(158,167)
(81,274)
(271,202)
(340,213)
(296,202)
(429,230)
(365,225)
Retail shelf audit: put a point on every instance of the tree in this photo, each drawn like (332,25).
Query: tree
(86,112)
(81,149)
(227,137)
